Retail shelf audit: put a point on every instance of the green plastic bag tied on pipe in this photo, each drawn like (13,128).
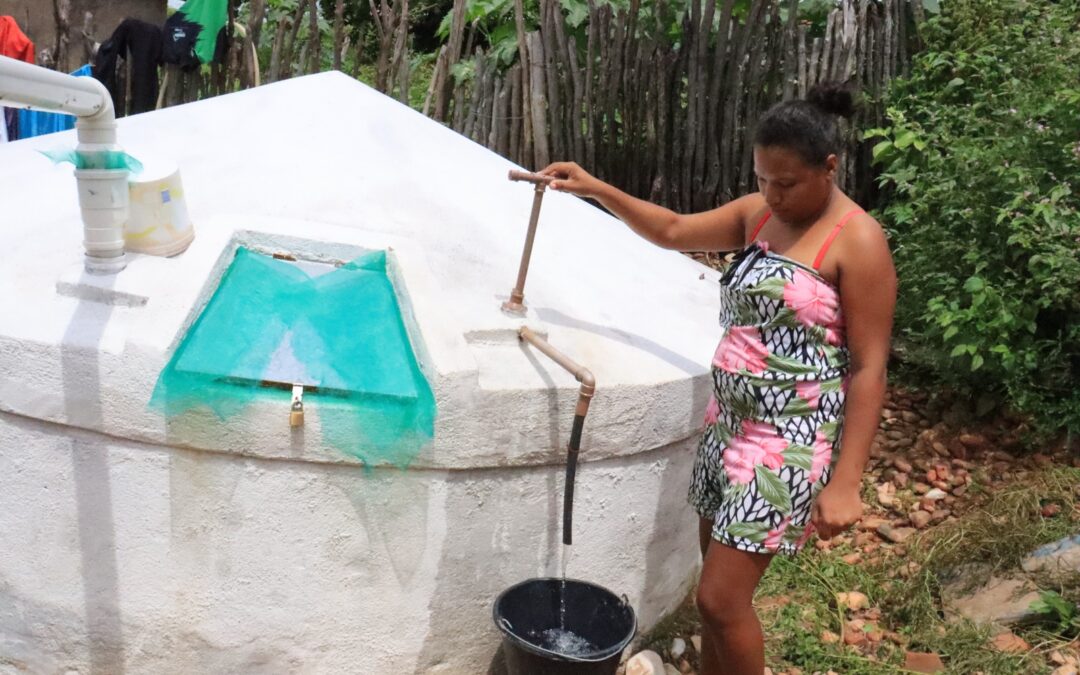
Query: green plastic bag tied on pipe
(106,159)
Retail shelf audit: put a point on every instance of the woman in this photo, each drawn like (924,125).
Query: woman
(806,313)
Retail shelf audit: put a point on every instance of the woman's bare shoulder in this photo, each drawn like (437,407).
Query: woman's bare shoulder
(865,242)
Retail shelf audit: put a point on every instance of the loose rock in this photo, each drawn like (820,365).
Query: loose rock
(1010,643)
(678,648)
(923,662)
(1051,510)
(886,494)
(895,534)
(646,662)
(972,441)
(1062,556)
(853,600)
(999,601)
(920,519)
(853,633)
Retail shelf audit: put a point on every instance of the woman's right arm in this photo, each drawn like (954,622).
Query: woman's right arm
(721,229)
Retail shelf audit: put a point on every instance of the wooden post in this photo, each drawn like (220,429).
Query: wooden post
(251,42)
(546,34)
(822,72)
(718,111)
(517,115)
(275,52)
(790,51)
(812,71)
(314,39)
(887,69)
(803,65)
(591,50)
(62,14)
(339,32)
(537,113)
(289,51)
(400,60)
(526,149)
(436,74)
(764,47)
(453,52)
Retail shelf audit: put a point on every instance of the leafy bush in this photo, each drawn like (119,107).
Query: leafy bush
(982,163)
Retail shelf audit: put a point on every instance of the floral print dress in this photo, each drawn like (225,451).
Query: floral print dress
(774,421)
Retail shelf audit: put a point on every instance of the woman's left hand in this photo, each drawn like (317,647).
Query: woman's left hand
(836,508)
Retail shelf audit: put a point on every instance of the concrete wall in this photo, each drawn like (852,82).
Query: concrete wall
(38,21)
(123,557)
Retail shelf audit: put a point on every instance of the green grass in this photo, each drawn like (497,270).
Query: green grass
(999,529)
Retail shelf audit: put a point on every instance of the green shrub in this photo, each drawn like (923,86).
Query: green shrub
(982,168)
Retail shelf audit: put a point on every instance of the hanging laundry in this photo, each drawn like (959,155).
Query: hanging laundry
(13,44)
(38,122)
(195,33)
(140,42)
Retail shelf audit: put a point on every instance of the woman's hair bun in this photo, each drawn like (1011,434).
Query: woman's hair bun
(833,97)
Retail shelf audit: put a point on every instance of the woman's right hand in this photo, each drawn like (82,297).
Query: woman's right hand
(569,177)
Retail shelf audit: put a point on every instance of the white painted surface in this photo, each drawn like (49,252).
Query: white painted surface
(197,544)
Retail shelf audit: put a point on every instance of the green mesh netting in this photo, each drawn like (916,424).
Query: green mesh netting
(271,323)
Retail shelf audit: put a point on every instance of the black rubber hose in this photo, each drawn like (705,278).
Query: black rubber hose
(571,472)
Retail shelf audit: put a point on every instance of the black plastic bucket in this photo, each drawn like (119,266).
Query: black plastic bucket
(592,613)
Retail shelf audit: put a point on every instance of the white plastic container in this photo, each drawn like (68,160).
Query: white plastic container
(103,199)
(158,223)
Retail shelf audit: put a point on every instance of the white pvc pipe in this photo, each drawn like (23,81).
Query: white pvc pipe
(25,85)
(103,195)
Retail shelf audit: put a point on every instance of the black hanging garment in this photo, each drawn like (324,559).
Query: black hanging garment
(195,33)
(141,42)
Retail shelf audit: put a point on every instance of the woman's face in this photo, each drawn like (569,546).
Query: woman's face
(795,191)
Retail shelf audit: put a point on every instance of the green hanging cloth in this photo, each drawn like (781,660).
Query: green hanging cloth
(193,32)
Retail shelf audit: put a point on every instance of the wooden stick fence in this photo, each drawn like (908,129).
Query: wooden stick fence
(673,123)
(668,122)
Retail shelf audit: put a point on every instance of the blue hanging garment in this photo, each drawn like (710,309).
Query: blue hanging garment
(37,123)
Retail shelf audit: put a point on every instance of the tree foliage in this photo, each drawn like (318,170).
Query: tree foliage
(983,160)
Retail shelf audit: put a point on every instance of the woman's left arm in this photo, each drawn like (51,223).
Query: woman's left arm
(867,281)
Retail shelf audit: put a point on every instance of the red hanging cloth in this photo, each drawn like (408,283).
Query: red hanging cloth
(13,42)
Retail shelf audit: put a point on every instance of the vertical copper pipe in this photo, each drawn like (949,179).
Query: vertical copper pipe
(516,303)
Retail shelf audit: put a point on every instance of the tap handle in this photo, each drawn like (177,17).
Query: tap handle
(530,177)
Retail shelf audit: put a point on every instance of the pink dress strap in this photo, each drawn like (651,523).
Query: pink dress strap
(832,235)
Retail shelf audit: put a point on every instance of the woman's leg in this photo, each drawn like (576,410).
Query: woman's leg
(725,599)
(710,660)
